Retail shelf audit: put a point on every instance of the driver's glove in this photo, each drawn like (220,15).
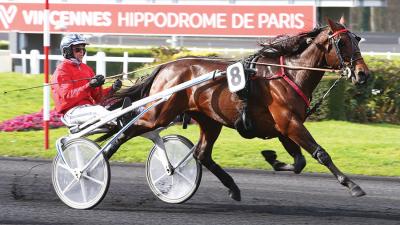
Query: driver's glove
(116,85)
(97,81)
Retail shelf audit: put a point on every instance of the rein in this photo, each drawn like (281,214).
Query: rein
(50,84)
(71,81)
(108,77)
(296,67)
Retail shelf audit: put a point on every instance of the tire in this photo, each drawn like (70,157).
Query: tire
(92,186)
(183,183)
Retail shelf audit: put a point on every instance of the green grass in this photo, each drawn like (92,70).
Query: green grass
(19,102)
(369,149)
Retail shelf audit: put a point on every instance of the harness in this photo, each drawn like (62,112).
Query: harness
(244,125)
(281,74)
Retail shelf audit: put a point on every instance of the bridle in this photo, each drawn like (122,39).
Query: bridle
(346,67)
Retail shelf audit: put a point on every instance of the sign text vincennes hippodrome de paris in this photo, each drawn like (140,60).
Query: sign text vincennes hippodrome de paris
(156,19)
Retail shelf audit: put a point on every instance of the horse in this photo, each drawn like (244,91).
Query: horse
(274,106)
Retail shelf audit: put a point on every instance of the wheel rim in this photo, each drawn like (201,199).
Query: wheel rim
(89,190)
(183,183)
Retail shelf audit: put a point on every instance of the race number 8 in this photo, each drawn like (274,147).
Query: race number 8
(235,77)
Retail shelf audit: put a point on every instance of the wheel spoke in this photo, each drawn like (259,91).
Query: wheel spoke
(83,189)
(65,167)
(93,179)
(158,179)
(78,157)
(62,165)
(156,155)
(184,177)
(185,162)
(99,159)
(68,187)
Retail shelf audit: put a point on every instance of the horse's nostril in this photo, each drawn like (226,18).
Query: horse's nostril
(361,77)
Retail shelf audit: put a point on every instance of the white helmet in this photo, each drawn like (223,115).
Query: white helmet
(68,41)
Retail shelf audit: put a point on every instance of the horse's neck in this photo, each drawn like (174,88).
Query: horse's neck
(307,80)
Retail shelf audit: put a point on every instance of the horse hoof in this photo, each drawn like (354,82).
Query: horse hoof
(269,155)
(235,195)
(356,191)
(299,164)
(280,166)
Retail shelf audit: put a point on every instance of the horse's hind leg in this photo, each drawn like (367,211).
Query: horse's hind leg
(293,149)
(300,135)
(158,117)
(209,131)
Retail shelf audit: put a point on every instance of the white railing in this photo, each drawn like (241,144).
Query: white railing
(100,58)
(387,55)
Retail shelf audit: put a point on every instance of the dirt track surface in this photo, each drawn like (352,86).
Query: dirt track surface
(267,198)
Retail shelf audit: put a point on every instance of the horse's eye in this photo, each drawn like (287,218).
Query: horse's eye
(340,43)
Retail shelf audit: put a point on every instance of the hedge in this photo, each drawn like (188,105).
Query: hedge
(333,106)
(379,100)
(376,101)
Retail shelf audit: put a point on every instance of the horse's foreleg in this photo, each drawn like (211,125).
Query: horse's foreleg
(300,135)
(209,131)
(293,149)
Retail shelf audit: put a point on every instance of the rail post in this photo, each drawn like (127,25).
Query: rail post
(125,66)
(23,61)
(34,61)
(101,63)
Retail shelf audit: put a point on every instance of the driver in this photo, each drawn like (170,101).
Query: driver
(77,91)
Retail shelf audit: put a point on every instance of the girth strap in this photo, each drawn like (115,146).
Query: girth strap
(244,124)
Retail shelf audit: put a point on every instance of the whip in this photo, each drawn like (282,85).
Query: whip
(71,81)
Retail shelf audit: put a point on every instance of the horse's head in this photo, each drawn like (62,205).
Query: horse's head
(344,52)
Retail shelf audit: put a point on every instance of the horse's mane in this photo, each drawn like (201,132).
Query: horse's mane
(285,45)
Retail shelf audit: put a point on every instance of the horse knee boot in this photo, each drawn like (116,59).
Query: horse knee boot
(322,156)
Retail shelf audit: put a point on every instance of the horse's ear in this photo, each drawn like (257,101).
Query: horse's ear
(332,25)
(342,20)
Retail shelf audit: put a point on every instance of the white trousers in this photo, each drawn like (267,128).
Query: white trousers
(81,114)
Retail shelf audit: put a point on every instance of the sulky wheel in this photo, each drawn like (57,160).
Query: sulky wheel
(81,190)
(185,179)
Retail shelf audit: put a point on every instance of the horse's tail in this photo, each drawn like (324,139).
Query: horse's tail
(136,92)
(140,90)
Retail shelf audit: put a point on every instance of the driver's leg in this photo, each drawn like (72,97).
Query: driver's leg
(81,114)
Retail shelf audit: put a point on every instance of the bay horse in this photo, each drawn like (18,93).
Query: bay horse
(276,105)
